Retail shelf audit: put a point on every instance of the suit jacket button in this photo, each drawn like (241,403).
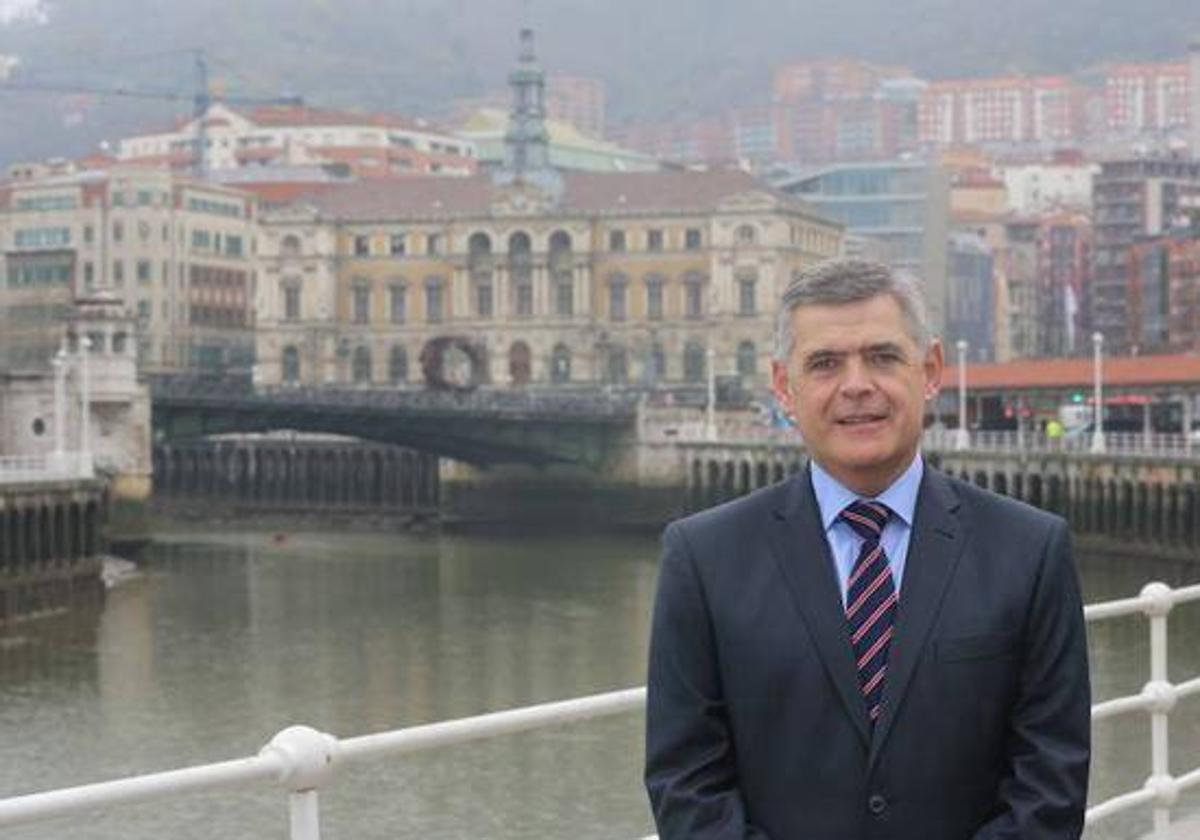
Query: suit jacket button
(877,804)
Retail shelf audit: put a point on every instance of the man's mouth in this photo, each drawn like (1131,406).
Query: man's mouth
(860,419)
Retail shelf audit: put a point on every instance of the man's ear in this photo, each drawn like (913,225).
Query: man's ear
(779,387)
(934,365)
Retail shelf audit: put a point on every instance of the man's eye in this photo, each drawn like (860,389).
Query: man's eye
(827,363)
(886,357)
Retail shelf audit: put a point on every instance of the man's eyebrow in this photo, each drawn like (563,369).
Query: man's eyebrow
(884,346)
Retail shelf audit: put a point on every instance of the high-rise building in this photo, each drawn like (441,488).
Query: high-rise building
(1147,99)
(905,205)
(178,252)
(1131,199)
(844,110)
(1194,90)
(1001,111)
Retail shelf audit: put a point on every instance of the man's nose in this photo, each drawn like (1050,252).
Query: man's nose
(856,378)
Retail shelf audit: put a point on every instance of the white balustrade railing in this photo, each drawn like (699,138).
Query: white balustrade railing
(60,466)
(302,760)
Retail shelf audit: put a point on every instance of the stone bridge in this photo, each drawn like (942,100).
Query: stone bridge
(482,427)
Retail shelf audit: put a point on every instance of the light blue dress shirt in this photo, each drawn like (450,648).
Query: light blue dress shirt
(844,543)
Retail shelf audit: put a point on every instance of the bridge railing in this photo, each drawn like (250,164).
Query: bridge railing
(1134,444)
(302,760)
(62,466)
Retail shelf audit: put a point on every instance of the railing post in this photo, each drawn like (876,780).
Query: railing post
(305,815)
(306,760)
(1159,595)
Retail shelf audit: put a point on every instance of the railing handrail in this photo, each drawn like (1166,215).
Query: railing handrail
(302,759)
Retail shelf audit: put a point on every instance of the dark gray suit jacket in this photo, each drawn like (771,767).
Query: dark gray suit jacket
(755,724)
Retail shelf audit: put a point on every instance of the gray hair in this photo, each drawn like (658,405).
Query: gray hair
(842,281)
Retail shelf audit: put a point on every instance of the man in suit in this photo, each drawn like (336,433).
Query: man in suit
(870,649)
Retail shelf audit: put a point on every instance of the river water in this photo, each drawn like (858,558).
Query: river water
(230,636)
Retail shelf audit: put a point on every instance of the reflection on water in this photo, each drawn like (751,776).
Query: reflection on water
(230,637)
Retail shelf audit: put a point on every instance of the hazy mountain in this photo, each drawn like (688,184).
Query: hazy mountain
(659,57)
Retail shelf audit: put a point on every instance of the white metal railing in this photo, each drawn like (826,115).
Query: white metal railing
(302,759)
(1134,444)
(54,466)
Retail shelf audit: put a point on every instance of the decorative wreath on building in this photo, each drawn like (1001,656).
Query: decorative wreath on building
(453,363)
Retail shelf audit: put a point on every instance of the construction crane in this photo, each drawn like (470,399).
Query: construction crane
(201,98)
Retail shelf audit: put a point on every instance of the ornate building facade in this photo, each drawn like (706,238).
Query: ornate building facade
(529,275)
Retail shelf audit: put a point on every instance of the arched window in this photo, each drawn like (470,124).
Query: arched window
(745,235)
(290,246)
(693,362)
(746,361)
(398,365)
(560,364)
(362,365)
(658,362)
(291,365)
(617,367)
(519,363)
(654,296)
(479,245)
(520,271)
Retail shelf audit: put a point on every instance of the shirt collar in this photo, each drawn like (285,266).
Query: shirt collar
(900,496)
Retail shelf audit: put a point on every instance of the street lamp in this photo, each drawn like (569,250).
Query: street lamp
(1098,416)
(963,438)
(59,363)
(85,408)
(710,410)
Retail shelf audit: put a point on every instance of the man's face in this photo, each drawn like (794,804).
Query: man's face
(856,384)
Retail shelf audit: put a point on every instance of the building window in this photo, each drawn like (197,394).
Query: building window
(483,300)
(291,365)
(434,243)
(616,298)
(398,365)
(433,301)
(362,305)
(118,273)
(524,300)
(233,245)
(693,297)
(89,275)
(361,371)
(747,303)
(362,246)
(88,234)
(290,246)
(564,298)
(143,272)
(399,303)
(654,239)
(691,239)
(118,231)
(693,362)
(744,235)
(746,360)
(658,362)
(617,369)
(398,245)
(654,298)
(560,364)
(291,302)
(616,240)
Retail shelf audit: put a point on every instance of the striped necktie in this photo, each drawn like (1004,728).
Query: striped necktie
(870,601)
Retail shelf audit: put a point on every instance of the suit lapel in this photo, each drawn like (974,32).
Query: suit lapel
(933,553)
(798,542)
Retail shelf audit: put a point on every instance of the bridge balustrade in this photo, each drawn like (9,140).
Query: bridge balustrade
(302,760)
